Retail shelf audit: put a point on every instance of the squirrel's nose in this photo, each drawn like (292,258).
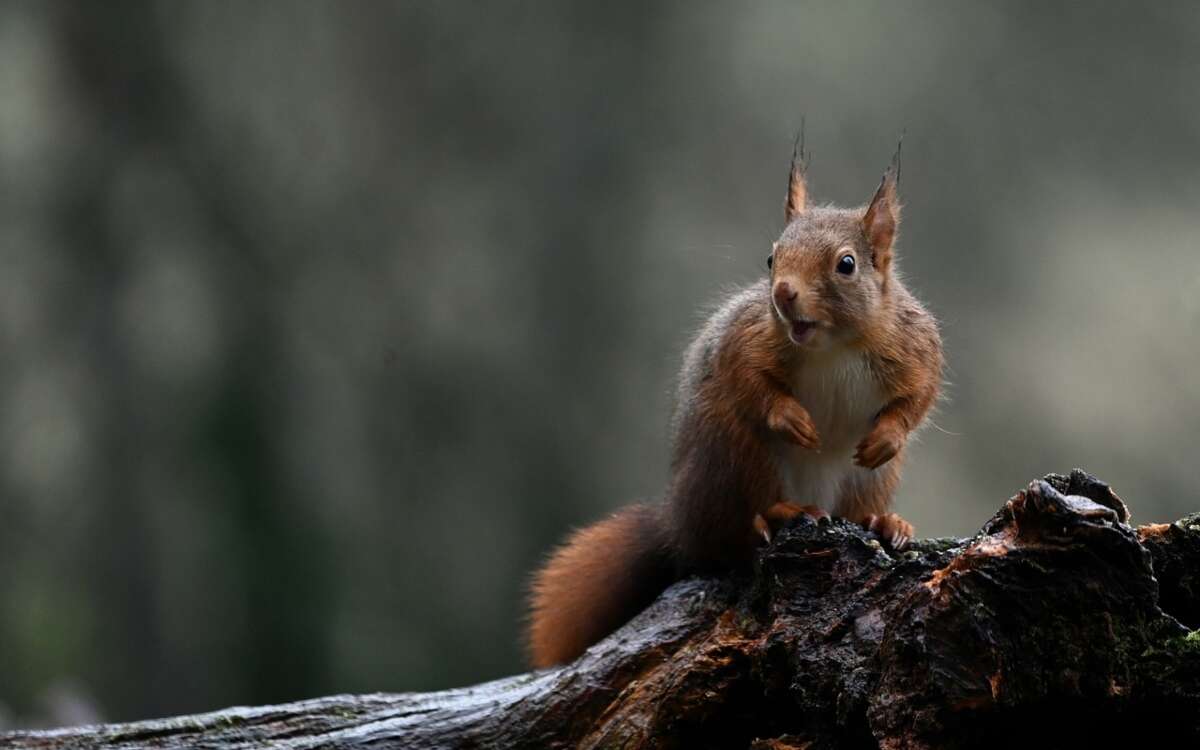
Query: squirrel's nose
(784,295)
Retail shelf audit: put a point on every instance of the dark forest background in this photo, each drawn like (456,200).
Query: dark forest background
(320,322)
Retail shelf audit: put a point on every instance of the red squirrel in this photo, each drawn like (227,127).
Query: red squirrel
(796,397)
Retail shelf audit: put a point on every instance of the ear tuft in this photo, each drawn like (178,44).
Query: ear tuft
(882,219)
(797,195)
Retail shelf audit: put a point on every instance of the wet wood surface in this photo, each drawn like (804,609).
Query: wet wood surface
(1056,625)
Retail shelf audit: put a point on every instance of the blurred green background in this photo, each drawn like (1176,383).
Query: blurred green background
(321,322)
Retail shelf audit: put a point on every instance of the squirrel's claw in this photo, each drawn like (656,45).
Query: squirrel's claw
(762,528)
(891,528)
(785,512)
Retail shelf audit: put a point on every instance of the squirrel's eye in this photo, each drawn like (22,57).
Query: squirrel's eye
(845,266)
(770,260)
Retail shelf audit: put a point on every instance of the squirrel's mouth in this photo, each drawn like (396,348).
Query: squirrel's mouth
(800,331)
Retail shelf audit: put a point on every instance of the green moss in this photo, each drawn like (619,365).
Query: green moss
(1190,523)
(938,544)
(1177,646)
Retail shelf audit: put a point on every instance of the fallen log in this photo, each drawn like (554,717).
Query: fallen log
(1056,624)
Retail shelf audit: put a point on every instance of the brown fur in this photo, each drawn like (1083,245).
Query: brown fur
(737,412)
(603,575)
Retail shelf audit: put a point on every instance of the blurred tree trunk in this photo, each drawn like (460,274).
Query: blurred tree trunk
(119,62)
(1047,627)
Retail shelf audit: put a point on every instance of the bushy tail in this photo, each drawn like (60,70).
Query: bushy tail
(592,585)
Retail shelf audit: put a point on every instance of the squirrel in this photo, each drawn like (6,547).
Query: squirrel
(796,398)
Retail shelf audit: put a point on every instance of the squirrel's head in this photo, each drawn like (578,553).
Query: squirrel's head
(831,268)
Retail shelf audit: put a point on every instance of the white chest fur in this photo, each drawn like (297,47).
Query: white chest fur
(842,396)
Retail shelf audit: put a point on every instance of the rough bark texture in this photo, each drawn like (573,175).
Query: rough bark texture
(1057,624)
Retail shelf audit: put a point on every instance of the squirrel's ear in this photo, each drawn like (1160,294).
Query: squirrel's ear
(882,218)
(797,194)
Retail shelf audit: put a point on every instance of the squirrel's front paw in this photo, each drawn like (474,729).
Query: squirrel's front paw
(790,419)
(880,445)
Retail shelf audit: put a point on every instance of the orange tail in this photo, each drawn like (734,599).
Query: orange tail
(592,585)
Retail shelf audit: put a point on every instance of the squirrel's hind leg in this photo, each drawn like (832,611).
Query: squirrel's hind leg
(783,513)
(868,500)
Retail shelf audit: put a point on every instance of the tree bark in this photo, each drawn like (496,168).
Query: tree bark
(1056,624)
